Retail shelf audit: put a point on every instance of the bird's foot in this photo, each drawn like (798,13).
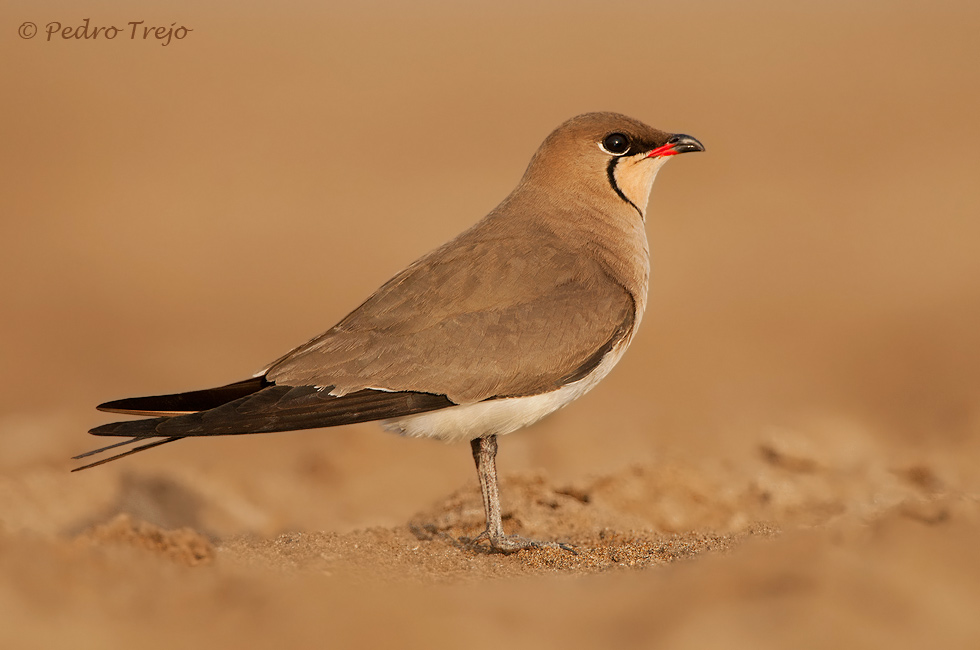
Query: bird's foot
(507,544)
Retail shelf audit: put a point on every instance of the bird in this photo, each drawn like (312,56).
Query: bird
(520,314)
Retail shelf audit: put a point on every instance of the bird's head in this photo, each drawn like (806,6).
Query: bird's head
(609,154)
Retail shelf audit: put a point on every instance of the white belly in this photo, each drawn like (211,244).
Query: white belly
(500,416)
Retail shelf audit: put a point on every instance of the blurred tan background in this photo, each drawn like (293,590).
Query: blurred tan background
(816,272)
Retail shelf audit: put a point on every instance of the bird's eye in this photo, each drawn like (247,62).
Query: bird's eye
(615,143)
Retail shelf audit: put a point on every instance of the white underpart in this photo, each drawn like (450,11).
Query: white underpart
(500,416)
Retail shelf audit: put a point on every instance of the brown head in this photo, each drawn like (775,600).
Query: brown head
(608,155)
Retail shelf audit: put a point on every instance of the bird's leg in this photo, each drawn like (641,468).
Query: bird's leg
(485,454)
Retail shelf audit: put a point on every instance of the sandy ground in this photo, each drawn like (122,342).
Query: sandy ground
(789,455)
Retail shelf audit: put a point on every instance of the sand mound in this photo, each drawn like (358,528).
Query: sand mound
(183,545)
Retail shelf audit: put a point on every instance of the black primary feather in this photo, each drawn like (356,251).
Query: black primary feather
(266,410)
(190,402)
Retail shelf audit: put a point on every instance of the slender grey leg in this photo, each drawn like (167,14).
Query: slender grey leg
(485,454)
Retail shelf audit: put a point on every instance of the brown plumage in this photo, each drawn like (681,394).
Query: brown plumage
(512,319)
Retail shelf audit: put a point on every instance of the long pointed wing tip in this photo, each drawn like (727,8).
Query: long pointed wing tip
(149,445)
(92,464)
(109,408)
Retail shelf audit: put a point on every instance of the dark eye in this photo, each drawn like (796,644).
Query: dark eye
(616,144)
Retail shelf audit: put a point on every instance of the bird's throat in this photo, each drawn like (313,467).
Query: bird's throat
(632,179)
